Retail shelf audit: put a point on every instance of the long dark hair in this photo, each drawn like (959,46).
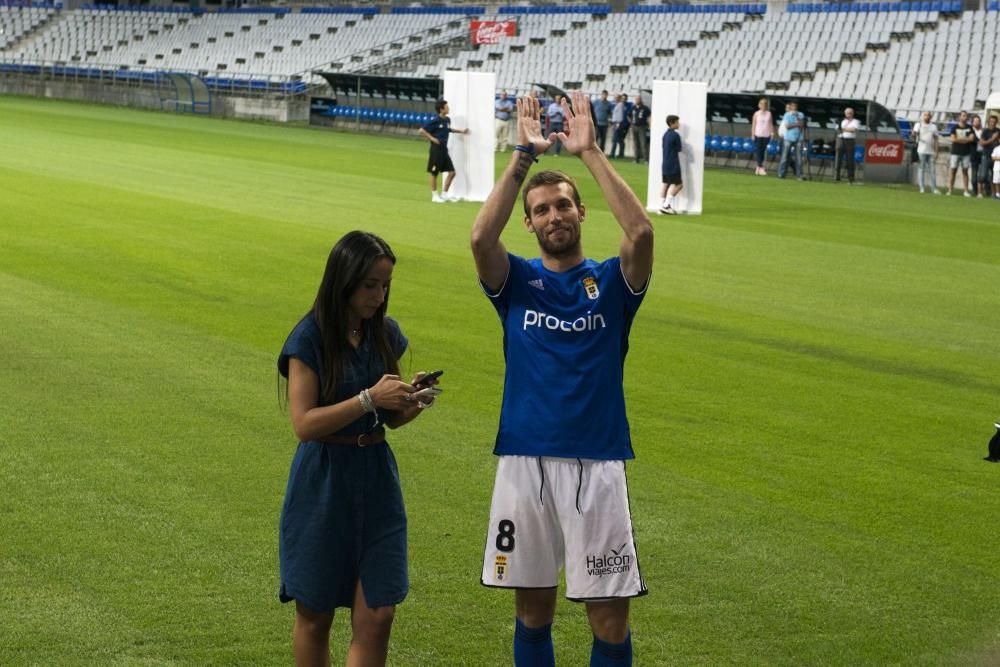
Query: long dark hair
(348,264)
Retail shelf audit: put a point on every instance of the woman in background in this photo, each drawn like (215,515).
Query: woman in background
(761,131)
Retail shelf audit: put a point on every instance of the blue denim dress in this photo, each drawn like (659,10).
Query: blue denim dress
(343,518)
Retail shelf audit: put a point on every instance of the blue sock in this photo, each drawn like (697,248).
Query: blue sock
(604,654)
(533,646)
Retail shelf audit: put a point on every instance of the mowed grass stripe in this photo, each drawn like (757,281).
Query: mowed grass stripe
(811,382)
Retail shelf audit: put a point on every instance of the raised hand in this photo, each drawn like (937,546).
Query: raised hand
(529,125)
(579,135)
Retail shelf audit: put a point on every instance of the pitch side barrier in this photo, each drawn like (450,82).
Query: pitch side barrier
(118,75)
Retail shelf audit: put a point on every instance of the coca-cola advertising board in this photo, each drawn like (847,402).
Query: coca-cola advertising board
(491,32)
(884,151)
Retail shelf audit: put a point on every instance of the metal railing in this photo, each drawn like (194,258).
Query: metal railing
(218,81)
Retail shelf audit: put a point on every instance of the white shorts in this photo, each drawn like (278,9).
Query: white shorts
(553,513)
(996,172)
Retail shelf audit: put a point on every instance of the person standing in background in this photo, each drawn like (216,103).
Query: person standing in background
(927,147)
(503,107)
(439,161)
(988,140)
(639,117)
(962,139)
(618,127)
(556,118)
(977,151)
(602,116)
(793,121)
(761,131)
(996,172)
(670,169)
(846,139)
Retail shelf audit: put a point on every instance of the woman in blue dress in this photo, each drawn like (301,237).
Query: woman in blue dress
(343,524)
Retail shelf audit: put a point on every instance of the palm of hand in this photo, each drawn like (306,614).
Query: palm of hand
(579,135)
(529,132)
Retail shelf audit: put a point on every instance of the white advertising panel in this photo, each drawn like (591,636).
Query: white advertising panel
(470,97)
(688,100)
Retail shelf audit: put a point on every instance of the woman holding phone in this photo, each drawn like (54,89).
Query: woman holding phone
(343,524)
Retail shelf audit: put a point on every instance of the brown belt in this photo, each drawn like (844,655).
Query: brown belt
(361,440)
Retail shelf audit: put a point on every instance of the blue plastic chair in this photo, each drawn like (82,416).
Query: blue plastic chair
(859,154)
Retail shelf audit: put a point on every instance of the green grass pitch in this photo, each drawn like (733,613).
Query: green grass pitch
(812,381)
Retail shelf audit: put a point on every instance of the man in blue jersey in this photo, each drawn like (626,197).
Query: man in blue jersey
(560,500)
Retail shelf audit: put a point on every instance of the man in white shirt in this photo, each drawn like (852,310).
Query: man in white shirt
(618,114)
(847,137)
(925,132)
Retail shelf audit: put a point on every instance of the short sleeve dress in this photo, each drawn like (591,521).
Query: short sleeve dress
(343,517)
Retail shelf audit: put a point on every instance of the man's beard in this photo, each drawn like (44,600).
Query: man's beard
(561,249)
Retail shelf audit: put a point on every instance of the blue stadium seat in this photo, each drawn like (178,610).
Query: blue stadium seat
(859,154)
(726,144)
(716,143)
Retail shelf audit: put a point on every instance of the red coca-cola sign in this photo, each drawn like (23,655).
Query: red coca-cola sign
(884,151)
(491,32)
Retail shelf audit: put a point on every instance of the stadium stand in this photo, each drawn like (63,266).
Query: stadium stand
(18,22)
(909,56)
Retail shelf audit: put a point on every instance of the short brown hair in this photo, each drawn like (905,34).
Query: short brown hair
(548,178)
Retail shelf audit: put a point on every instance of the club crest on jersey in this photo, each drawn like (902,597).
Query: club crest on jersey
(590,285)
(501,567)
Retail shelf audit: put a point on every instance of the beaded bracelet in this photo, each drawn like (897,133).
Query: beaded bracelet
(367,404)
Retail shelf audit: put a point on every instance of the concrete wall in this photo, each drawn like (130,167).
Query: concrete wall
(147,97)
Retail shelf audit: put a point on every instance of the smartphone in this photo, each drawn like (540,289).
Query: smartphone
(427,378)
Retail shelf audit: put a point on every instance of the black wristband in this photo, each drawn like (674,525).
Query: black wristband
(529,149)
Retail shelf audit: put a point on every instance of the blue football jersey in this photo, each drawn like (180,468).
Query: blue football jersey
(565,341)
